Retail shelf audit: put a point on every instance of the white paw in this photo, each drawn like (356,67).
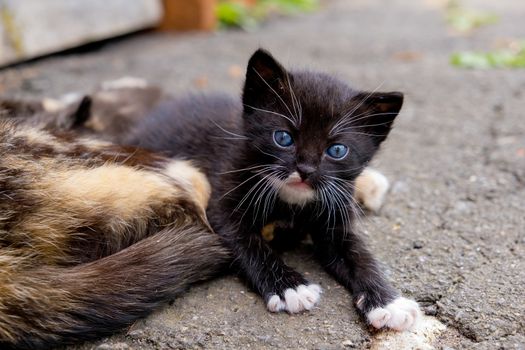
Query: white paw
(401,314)
(296,300)
(371,188)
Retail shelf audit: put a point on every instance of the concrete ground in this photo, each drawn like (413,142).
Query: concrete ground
(452,231)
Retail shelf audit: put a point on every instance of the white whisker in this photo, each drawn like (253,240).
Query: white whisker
(274,113)
(249,168)
(361,133)
(231,133)
(352,111)
(242,183)
(269,154)
(351,122)
(295,103)
(276,94)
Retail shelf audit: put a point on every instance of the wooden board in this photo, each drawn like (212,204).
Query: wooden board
(30,28)
(189,15)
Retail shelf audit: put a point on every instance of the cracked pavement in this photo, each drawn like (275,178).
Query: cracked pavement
(452,231)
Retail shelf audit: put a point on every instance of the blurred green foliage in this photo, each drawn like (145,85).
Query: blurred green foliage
(464,20)
(233,14)
(236,14)
(509,58)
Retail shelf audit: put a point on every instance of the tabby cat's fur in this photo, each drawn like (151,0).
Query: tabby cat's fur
(93,236)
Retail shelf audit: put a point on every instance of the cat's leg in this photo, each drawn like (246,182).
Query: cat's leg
(352,265)
(371,187)
(283,288)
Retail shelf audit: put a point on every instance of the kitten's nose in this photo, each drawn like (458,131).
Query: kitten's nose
(305,170)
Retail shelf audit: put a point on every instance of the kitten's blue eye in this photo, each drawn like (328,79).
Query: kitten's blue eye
(283,138)
(337,151)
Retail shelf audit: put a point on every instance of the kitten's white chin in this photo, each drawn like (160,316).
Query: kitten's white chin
(293,193)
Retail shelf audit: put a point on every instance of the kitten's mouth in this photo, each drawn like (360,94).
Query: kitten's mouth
(299,185)
(296,191)
(296,182)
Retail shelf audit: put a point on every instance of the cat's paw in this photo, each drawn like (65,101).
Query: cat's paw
(295,300)
(401,314)
(371,188)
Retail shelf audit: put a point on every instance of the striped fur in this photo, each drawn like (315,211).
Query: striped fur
(93,236)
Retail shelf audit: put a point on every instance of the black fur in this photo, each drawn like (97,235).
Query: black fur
(224,137)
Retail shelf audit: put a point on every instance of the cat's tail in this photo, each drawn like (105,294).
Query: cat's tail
(47,306)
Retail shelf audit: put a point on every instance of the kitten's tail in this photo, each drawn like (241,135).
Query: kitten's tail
(43,307)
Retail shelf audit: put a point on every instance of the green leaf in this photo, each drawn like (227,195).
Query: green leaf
(235,14)
(495,59)
(465,20)
(291,6)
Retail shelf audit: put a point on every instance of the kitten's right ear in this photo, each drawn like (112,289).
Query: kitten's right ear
(265,77)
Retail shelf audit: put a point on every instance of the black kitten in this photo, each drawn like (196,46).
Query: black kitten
(289,154)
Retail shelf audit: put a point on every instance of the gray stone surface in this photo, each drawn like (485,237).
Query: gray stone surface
(452,232)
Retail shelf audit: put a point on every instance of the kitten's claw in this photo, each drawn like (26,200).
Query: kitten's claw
(296,300)
(371,189)
(401,314)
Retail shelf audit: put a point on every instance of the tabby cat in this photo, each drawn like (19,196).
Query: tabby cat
(93,236)
(288,157)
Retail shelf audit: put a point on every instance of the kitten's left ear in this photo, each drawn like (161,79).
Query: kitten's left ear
(382,108)
(265,77)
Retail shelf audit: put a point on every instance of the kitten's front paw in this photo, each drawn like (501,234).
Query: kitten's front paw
(401,314)
(371,188)
(295,300)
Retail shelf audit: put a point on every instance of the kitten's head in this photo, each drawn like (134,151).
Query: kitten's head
(314,132)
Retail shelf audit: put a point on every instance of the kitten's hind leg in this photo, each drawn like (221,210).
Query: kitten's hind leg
(371,188)
(353,266)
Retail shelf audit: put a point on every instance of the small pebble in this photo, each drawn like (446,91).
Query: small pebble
(347,343)
(114,346)
(417,244)
(431,310)
(136,334)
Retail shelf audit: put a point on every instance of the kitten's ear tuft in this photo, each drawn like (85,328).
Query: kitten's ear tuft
(263,75)
(382,108)
(388,102)
(262,66)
